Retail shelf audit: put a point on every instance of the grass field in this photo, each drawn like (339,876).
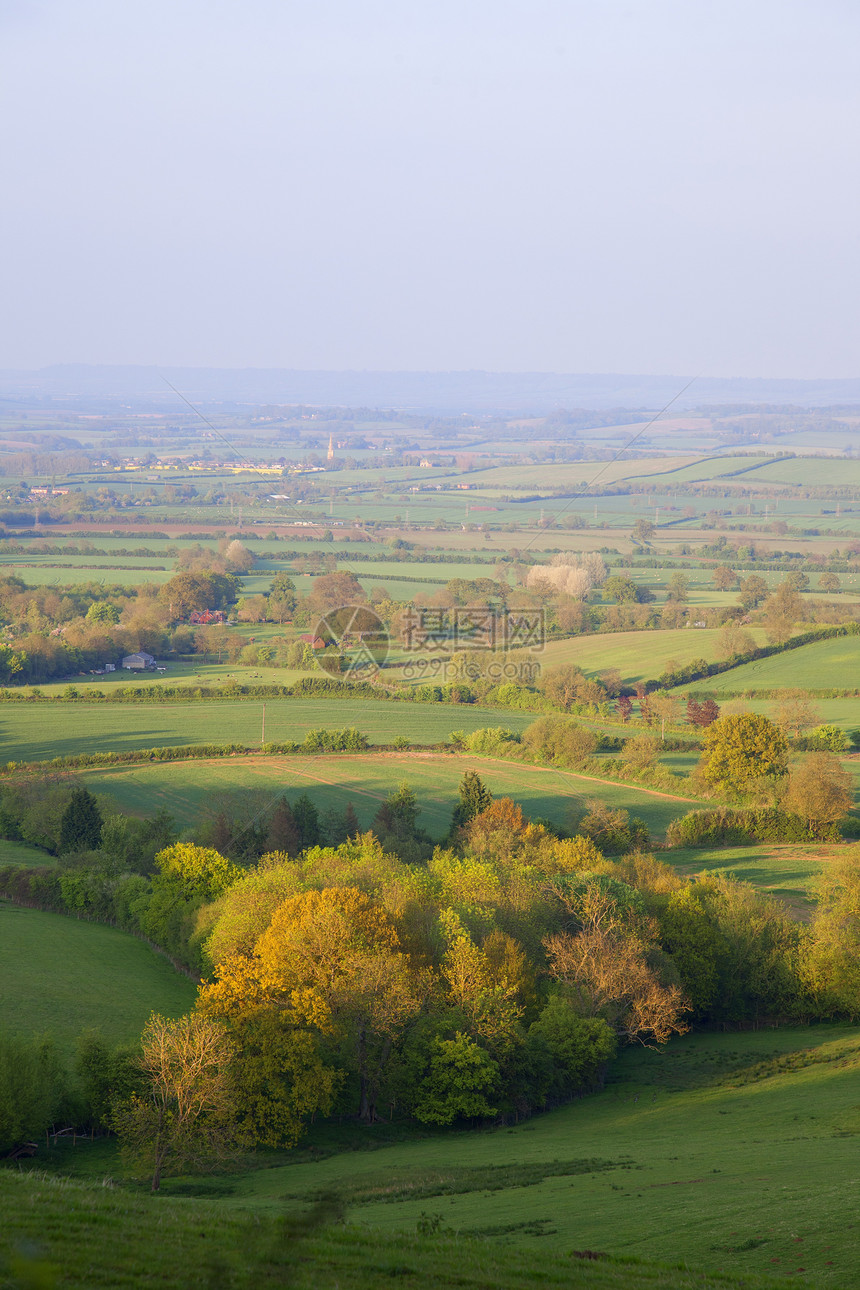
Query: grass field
(35,732)
(367,779)
(731,1154)
(21,853)
(98,1237)
(821,665)
(191,673)
(60,976)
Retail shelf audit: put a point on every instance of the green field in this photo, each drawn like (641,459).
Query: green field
(38,731)
(60,976)
(733,1152)
(731,1156)
(787,872)
(820,666)
(96,1236)
(367,779)
(21,853)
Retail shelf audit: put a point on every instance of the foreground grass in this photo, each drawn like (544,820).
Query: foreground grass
(60,976)
(64,1234)
(730,1152)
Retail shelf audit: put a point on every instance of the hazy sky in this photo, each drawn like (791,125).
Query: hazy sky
(562,185)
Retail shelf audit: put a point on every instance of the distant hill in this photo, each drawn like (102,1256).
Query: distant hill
(441,393)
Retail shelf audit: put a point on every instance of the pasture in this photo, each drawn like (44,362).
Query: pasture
(788,873)
(365,780)
(60,976)
(51,1224)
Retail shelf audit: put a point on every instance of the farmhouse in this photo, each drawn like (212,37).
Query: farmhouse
(315,642)
(138,662)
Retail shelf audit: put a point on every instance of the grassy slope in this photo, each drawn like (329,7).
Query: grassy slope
(824,664)
(637,655)
(787,872)
(734,1152)
(60,976)
(366,779)
(100,1238)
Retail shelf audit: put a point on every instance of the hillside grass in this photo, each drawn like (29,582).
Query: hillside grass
(787,872)
(82,1237)
(730,1154)
(733,1152)
(60,976)
(367,779)
(640,655)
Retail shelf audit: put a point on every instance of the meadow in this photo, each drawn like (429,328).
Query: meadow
(730,1152)
(724,1155)
(71,975)
(638,655)
(54,1229)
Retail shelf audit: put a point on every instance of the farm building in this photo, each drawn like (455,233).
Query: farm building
(315,642)
(141,662)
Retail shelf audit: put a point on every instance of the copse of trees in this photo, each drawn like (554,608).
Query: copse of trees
(490,977)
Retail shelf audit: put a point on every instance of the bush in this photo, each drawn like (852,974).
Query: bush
(491,741)
(346,740)
(823,739)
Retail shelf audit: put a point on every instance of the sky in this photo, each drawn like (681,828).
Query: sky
(648,186)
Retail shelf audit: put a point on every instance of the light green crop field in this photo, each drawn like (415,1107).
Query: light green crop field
(51,575)
(367,779)
(820,666)
(40,731)
(835,712)
(637,655)
(197,672)
(572,474)
(60,976)
(735,1153)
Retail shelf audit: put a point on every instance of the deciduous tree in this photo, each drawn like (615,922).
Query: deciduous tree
(741,750)
(186,1118)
